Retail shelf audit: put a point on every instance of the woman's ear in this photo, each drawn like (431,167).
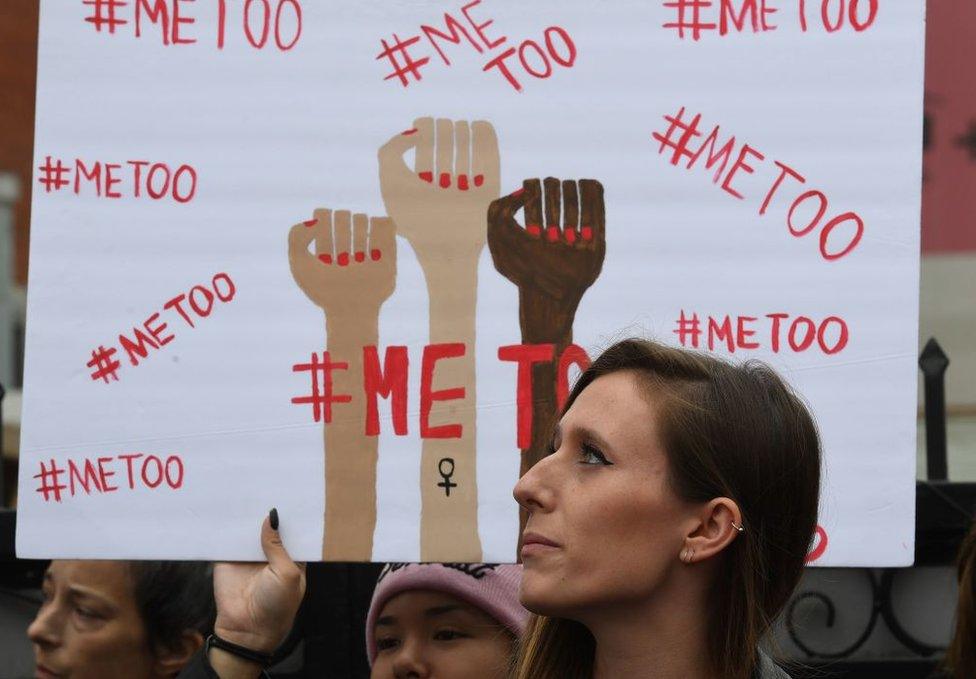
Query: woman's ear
(720,522)
(171,660)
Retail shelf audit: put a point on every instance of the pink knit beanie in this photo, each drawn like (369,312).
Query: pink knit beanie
(492,588)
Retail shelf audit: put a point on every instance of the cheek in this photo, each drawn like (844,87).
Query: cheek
(110,651)
(476,659)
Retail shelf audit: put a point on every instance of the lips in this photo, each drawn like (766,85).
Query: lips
(45,673)
(534,544)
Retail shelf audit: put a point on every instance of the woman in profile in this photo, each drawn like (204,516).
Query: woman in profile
(131,619)
(666,530)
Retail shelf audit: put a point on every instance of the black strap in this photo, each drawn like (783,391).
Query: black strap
(262,659)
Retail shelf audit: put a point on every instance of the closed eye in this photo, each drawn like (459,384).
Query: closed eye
(386,643)
(448,635)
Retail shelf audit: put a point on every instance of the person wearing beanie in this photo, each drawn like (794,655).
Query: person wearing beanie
(444,620)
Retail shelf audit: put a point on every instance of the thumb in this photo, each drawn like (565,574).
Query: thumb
(391,153)
(274,549)
(504,208)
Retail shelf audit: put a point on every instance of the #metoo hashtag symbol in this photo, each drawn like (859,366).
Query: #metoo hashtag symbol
(105,366)
(50,481)
(321,397)
(103,14)
(688,327)
(688,131)
(689,17)
(410,66)
(52,175)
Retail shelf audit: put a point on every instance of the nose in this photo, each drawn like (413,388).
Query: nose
(409,662)
(534,491)
(46,629)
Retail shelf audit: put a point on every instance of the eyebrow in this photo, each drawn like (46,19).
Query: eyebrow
(84,592)
(585,432)
(433,612)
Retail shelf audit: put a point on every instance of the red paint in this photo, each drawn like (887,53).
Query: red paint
(321,397)
(325,259)
(571,235)
(740,164)
(432,354)
(681,133)
(360,256)
(731,333)
(572,355)
(533,230)
(456,29)
(202,310)
(818,549)
(343,259)
(552,233)
(462,182)
(480,28)
(517,192)
(412,130)
(94,475)
(390,380)
(426,176)
(311,222)
(526,356)
(586,233)
(375,255)
(479,179)
(445,180)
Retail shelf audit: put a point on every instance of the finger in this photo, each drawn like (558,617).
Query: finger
(444,152)
(533,206)
(323,235)
(382,239)
(484,154)
(553,194)
(360,230)
(423,162)
(342,228)
(462,154)
(591,211)
(274,549)
(299,239)
(570,211)
(391,153)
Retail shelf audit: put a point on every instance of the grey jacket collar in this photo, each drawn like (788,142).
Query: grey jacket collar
(767,669)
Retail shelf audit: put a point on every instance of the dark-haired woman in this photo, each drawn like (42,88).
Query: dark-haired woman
(667,527)
(137,620)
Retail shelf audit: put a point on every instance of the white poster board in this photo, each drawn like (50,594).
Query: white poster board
(225,189)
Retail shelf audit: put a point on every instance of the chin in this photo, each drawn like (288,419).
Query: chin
(543,595)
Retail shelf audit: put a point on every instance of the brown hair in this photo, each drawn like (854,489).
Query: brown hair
(960,660)
(736,431)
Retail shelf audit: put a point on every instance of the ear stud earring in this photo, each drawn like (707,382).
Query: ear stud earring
(738,526)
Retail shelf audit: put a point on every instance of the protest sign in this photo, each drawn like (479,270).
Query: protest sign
(345,259)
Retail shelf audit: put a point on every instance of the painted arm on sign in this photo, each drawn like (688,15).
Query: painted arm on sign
(439,205)
(351,272)
(553,258)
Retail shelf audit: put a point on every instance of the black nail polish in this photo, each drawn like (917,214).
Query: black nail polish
(273,516)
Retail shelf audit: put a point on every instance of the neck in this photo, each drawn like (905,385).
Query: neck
(662,638)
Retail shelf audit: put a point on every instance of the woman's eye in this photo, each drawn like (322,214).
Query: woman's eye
(448,635)
(86,613)
(590,455)
(386,643)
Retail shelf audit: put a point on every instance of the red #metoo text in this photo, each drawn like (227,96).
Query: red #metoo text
(470,28)
(57,480)
(692,18)
(771,332)
(190,307)
(129,179)
(262,23)
(809,212)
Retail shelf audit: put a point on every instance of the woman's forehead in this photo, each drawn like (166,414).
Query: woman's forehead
(109,578)
(617,407)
